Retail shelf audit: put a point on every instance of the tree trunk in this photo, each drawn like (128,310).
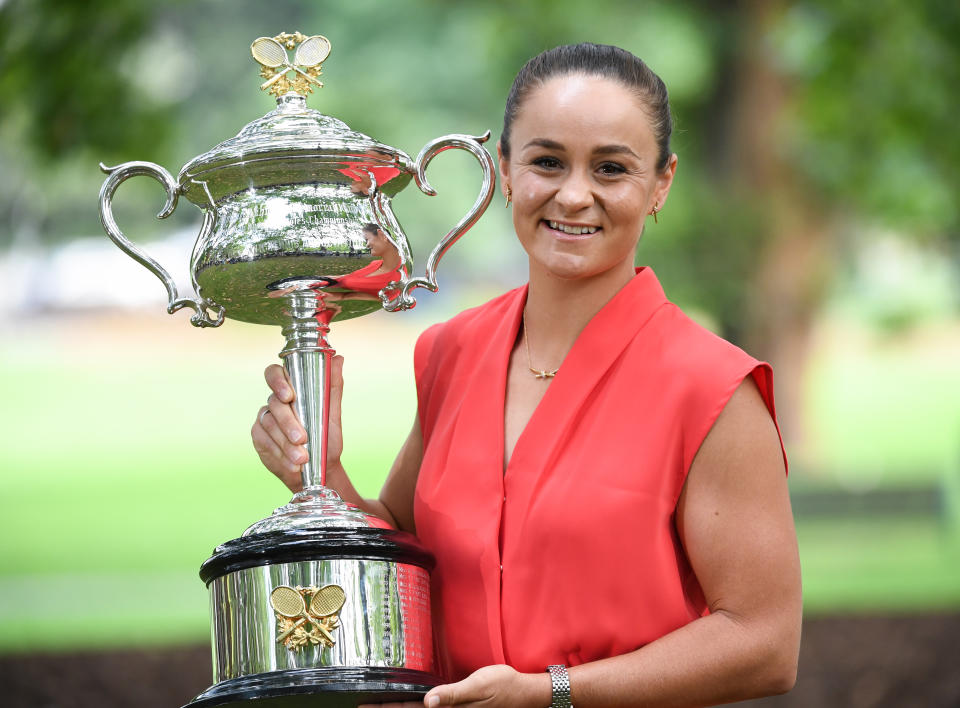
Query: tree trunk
(790,283)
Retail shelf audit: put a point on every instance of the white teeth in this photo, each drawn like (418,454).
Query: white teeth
(572,230)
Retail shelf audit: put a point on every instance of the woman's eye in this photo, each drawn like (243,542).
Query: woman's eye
(609,169)
(549,163)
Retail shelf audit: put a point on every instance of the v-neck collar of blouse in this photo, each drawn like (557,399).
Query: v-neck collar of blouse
(594,351)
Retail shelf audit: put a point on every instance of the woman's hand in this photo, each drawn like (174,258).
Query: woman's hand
(494,686)
(279,437)
(489,687)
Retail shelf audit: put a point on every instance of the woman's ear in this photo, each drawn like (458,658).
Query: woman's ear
(664,182)
(504,169)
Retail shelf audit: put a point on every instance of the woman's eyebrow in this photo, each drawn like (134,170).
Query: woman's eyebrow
(615,150)
(544,143)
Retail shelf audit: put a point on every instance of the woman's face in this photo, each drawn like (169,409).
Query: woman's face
(583,176)
(376,242)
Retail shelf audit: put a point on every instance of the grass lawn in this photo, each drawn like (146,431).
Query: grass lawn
(885,410)
(126,458)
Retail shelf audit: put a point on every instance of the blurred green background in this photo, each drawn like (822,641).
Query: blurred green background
(814,221)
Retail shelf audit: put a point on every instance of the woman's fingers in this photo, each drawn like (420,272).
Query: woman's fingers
(272,455)
(277,381)
(281,424)
(490,686)
(278,435)
(285,423)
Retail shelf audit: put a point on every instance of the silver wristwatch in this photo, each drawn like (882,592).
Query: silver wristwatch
(560,686)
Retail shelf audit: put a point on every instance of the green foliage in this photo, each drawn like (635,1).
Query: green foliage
(64,79)
(874,125)
(868,127)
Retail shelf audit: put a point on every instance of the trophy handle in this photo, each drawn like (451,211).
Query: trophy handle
(201,307)
(404,300)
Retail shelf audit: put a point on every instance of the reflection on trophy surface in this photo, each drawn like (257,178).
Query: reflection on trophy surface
(316,602)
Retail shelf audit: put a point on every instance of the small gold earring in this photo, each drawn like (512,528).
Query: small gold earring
(509,197)
(654,212)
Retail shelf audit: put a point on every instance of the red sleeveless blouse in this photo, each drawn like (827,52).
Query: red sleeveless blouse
(572,555)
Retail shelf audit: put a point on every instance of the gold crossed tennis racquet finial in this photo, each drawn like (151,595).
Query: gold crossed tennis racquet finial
(275,65)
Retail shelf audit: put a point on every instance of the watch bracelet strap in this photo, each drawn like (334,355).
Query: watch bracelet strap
(559,686)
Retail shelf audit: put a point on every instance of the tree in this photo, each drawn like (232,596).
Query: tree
(841,112)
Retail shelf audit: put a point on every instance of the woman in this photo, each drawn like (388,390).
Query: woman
(622,508)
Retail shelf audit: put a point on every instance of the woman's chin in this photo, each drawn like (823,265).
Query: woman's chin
(569,267)
(572,267)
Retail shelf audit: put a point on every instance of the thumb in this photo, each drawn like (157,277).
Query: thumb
(447,695)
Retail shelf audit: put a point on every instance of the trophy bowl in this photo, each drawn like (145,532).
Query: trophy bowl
(317,601)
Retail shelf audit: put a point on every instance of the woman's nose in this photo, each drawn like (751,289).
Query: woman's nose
(575,192)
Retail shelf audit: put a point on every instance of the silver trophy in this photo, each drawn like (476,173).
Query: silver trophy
(315,601)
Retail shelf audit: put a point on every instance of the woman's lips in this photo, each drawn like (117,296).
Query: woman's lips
(570,232)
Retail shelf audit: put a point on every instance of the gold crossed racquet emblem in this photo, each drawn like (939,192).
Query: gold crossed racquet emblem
(275,65)
(297,608)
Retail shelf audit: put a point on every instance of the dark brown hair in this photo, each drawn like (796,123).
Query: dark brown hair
(600,60)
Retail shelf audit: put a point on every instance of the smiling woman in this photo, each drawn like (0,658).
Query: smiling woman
(601,481)
(583,180)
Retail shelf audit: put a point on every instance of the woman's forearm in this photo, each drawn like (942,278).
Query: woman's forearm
(715,659)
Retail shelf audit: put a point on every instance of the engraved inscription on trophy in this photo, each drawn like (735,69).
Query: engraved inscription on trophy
(387,609)
(413,584)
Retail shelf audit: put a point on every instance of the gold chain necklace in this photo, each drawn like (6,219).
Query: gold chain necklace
(538,373)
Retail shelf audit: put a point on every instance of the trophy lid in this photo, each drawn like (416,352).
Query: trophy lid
(292,144)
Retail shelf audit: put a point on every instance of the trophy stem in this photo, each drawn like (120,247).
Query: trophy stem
(309,373)
(306,358)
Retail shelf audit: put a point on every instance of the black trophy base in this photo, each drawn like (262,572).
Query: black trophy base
(325,687)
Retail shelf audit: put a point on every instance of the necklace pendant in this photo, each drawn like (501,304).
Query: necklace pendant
(537,373)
